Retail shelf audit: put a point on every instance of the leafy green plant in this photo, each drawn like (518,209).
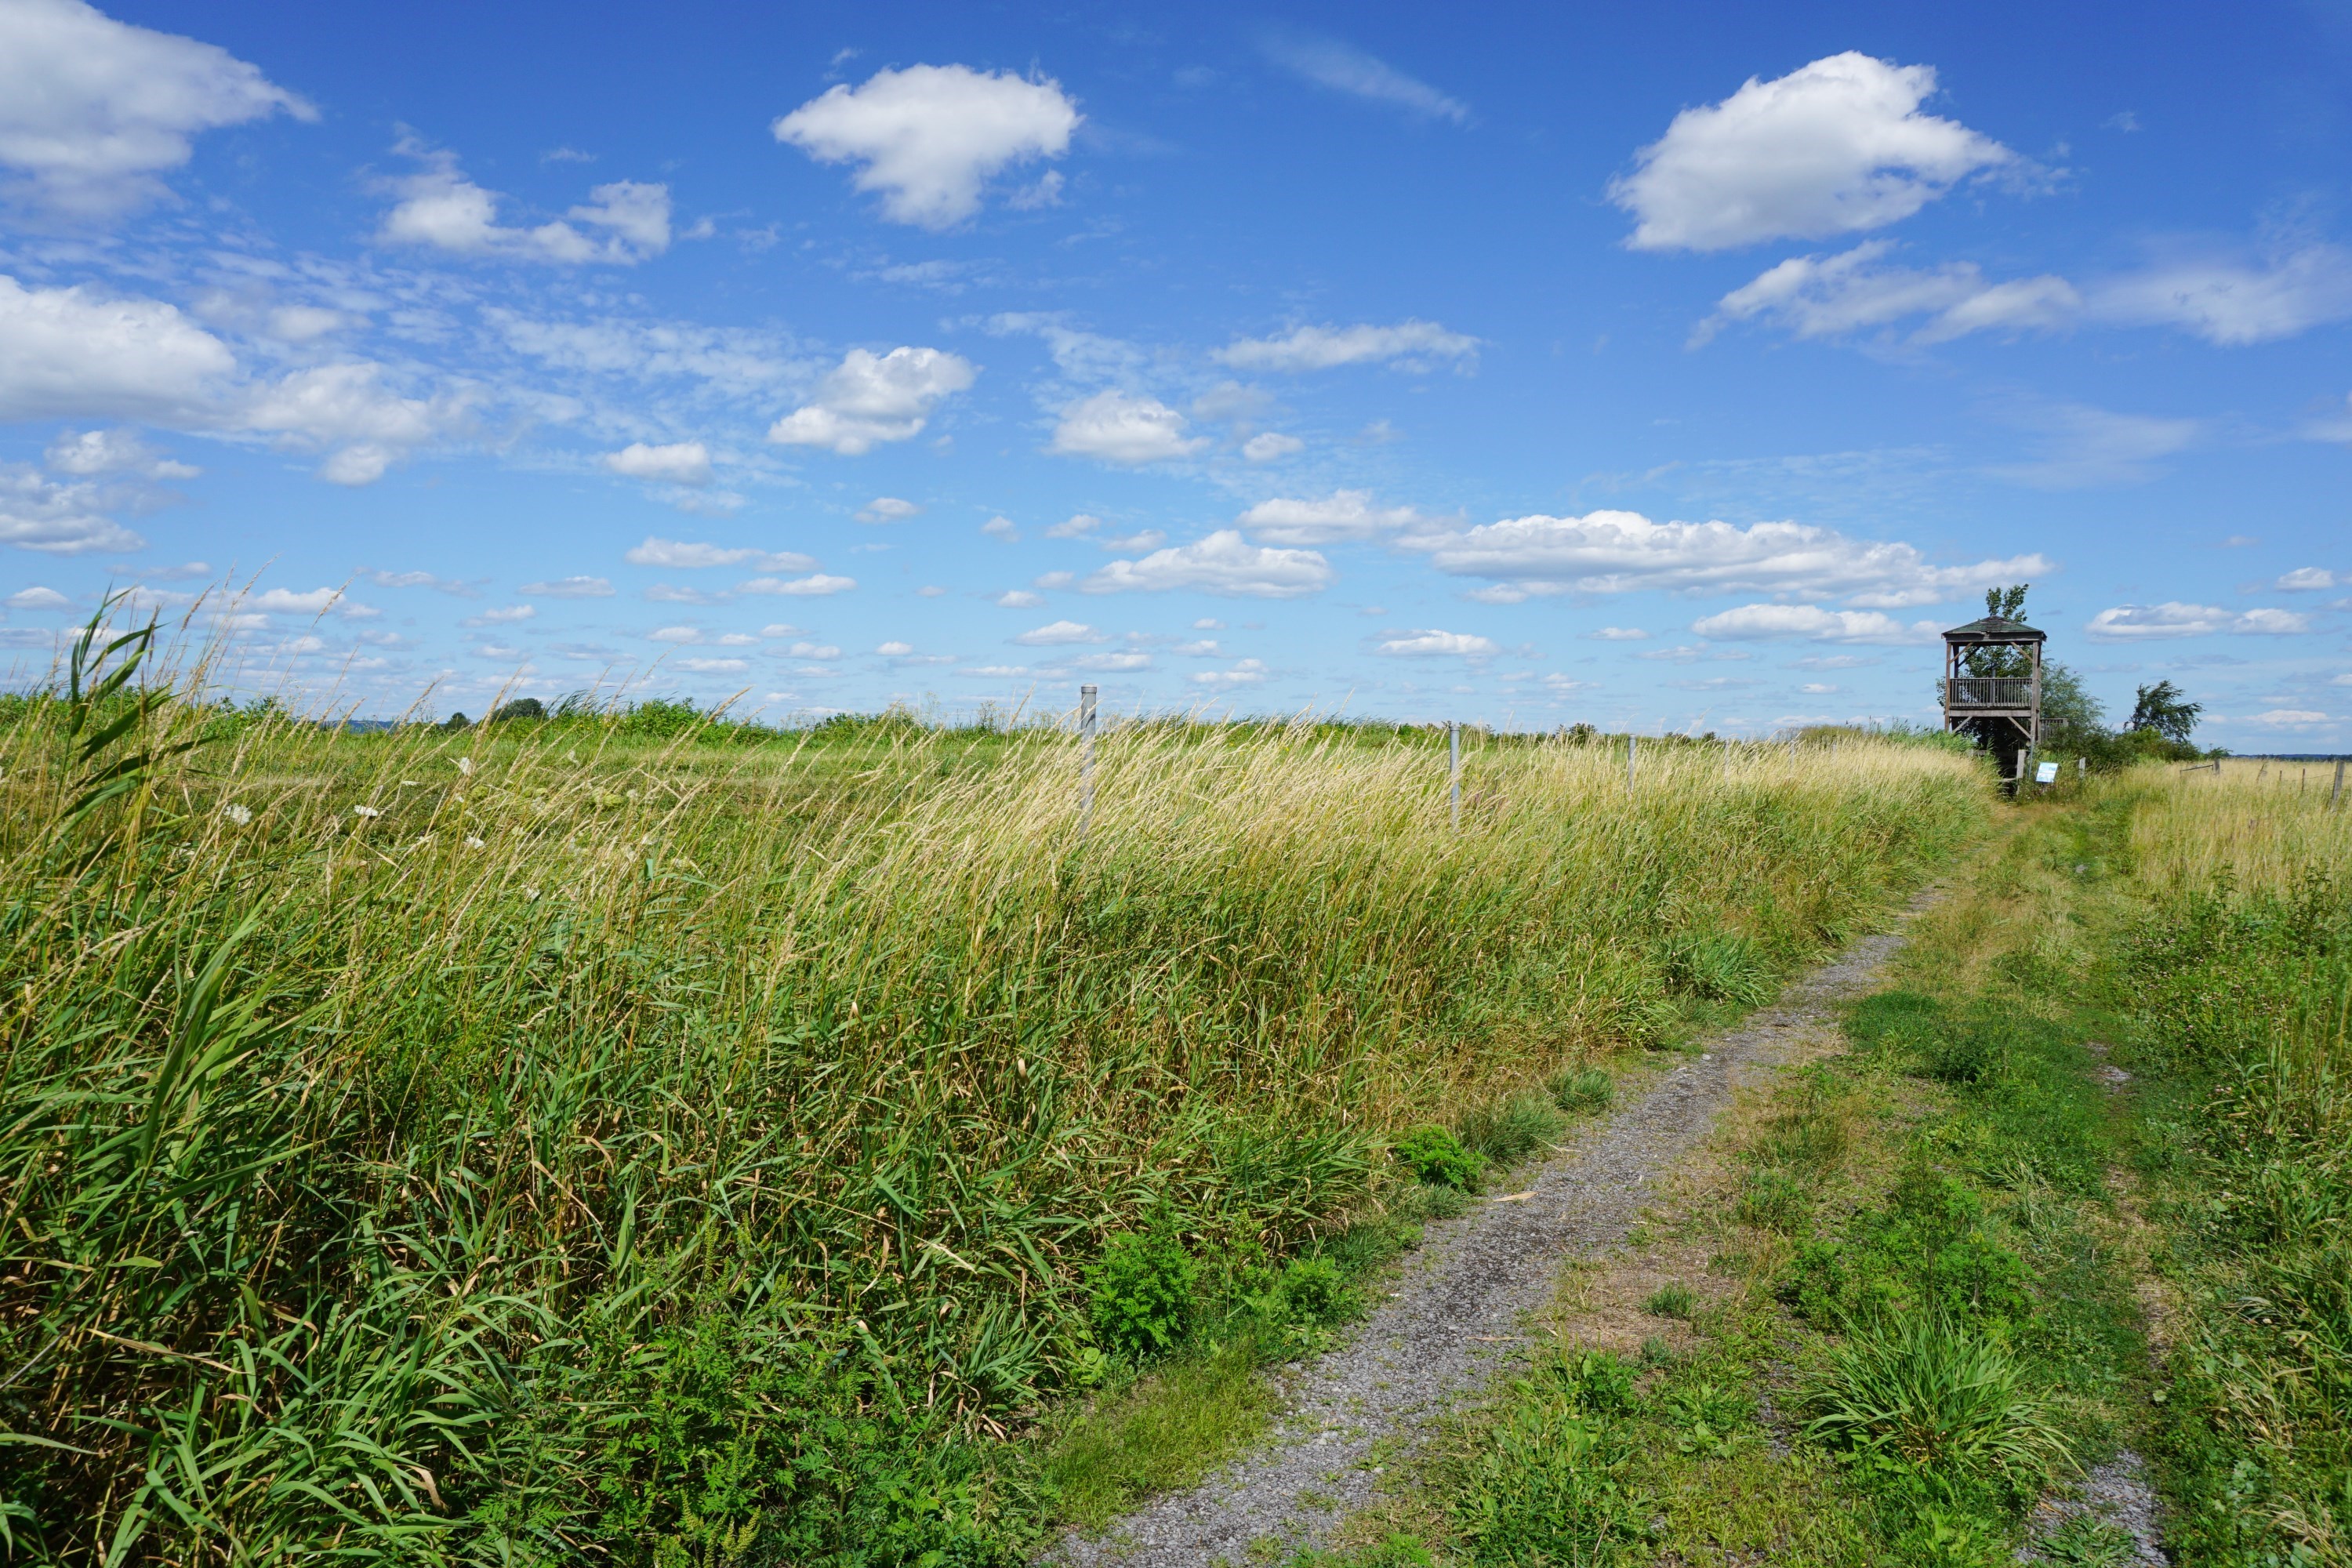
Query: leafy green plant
(1773,1200)
(1933,1396)
(1592,1383)
(2087,1540)
(1140,1292)
(1675,1300)
(1545,1485)
(1435,1155)
(1314,1291)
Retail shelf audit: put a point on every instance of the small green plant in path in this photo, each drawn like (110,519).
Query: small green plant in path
(1435,1155)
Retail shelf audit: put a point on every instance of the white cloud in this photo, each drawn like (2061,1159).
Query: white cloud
(675,635)
(2304,579)
(928,137)
(677,463)
(1061,633)
(2290,718)
(304,601)
(1415,344)
(1813,623)
(714,665)
(1624,552)
(995,671)
(347,407)
(1078,525)
(441,209)
(1223,563)
(873,397)
(1835,147)
(69,352)
(687,555)
(2081,447)
(1001,528)
(1018,599)
(817,585)
(37,599)
(1434,644)
(505,616)
(1108,663)
(91,110)
(1207,647)
(1340,517)
(38,514)
(2143,623)
(2231,302)
(1208,624)
(1817,688)
(1120,428)
(1817,297)
(87,454)
(814,650)
(889,509)
(1343,67)
(1619,634)
(1141,539)
(570,588)
(1270,446)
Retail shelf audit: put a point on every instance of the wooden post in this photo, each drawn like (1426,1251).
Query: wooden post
(1454,770)
(2337,794)
(1086,758)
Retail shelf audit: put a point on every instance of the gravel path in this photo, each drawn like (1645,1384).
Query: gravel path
(2117,1494)
(1460,1302)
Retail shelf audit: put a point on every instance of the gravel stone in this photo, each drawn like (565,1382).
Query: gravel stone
(2118,1493)
(1458,1310)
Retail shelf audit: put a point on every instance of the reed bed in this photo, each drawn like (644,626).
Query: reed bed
(521,1145)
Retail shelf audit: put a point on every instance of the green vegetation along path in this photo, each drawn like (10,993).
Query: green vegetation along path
(1462,1301)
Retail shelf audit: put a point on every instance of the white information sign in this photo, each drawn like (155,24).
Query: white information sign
(2045,773)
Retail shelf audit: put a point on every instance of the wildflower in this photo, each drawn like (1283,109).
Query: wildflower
(472,842)
(236,813)
(365,811)
(531,895)
(465,766)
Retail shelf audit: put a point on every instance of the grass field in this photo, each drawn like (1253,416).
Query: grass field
(519,1144)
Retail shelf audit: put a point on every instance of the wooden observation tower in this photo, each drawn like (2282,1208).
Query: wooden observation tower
(1992,687)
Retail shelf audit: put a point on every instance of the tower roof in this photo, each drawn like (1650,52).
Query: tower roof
(1996,629)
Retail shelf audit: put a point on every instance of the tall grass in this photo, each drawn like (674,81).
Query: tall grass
(506,1145)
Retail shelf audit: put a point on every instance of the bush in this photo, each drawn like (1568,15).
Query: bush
(1437,1157)
(1140,1292)
(1928,1394)
(1314,1291)
(520,707)
(1588,1092)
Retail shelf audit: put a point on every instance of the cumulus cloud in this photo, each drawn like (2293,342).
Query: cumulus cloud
(74,353)
(687,556)
(37,512)
(36,598)
(1001,528)
(1018,599)
(1813,624)
(2146,623)
(1270,446)
(1223,563)
(439,208)
(569,589)
(1434,644)
(677,463)
(1117,427)
(815,585)
(1078,525)
(1343,67)
(1835,147)
(887,509)
(1624,552)
(701,666)
(1619,634)
(1337,518)
(2290,718)
(1828,296)
(1409,344)
(870,398)
(92,109)
(928,138)
(504,615)
(2304,579)
(1061,633)
(348,407)
(88,454)
(2232,301)
(1246,672)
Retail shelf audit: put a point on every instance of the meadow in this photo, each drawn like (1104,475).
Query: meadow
(700,1145)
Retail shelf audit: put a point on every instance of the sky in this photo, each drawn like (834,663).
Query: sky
(1674,367)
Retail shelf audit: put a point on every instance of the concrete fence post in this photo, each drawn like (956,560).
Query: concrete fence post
(1086,758)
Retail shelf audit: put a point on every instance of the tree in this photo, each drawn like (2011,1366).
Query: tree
(2165,708)
(2009,604)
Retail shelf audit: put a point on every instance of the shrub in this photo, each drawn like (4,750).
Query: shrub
(520,707)
(1437,1157)
(1588,1092)
(1928,1393)
(1314,1291)
(1140,1292)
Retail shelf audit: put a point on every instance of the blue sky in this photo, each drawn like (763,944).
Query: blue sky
(1659,367)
